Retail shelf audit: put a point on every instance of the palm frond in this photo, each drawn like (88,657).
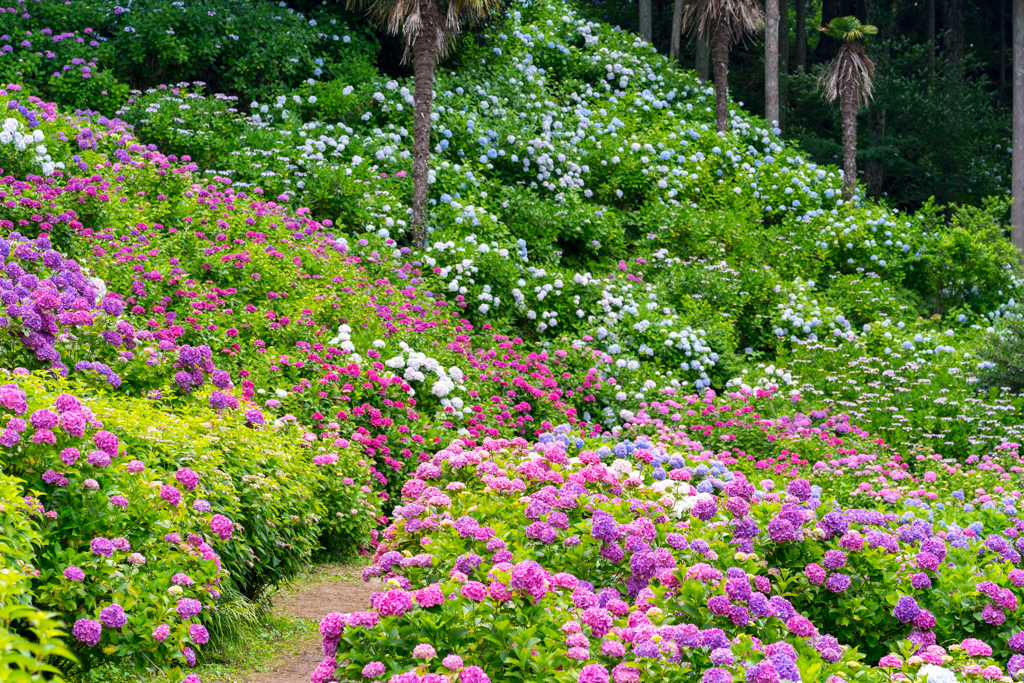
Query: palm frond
(406,18)
(848,30)
(851,69)
(743,18)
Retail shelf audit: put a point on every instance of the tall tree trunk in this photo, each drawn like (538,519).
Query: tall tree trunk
(646,20)
(953,22)
(826,46)
(1002,48)
(874,169)
(425,49)
(720,44)
(929,29)
(783,61)
(848,108)
(703,59)
(801,34)
(677,31)
(771,63)
(1017,210)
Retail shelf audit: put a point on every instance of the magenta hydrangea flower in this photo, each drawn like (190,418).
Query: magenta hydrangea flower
(113,616)
(98,459)
(102,546)
(394,602)
(452,662)
(74,574)
(187,477)
(199,634)
(222,526)
(594,673)
(106,442)
(814,573)
(473,674)
(475,591)
(170,494)
(374,670)
(44,419)
(424,651)
(161,632)
(429,596)
(801,626)
(68,456)
(87,631)
(976,648)
(189,607)
(324,671)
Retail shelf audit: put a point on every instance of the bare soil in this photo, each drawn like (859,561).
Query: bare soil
(334,588)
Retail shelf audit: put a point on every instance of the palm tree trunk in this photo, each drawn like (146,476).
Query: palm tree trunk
(425,49)
(771,63)
(848,102)
(677,31)
(720,43)
(1017,209)
(801,34)
(646,20)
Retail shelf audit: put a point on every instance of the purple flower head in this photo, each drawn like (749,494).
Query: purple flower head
(906,609)
(113,616)
(101,546)
(87,631)
(73,573)
(837,582)
(189,607)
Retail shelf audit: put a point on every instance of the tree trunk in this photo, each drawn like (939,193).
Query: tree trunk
(929,29)
(783,61)
(801,34)
(874,169)
(771,63)
(424,60)
(703,59)
(1002,48)
(826,46)
(646,20)
(720,61)
(677,31)
(953,22)
(848,102)
(1017,210)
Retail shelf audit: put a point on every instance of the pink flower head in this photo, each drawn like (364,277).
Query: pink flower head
(976,648)
(424,651)
(890,660)
(374,670)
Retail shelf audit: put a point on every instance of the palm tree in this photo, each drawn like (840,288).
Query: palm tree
(848,77)
(722,24)
(430,28)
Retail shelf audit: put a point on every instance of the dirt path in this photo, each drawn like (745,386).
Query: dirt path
(334,588)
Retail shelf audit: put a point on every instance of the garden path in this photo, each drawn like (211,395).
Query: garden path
(336,588)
